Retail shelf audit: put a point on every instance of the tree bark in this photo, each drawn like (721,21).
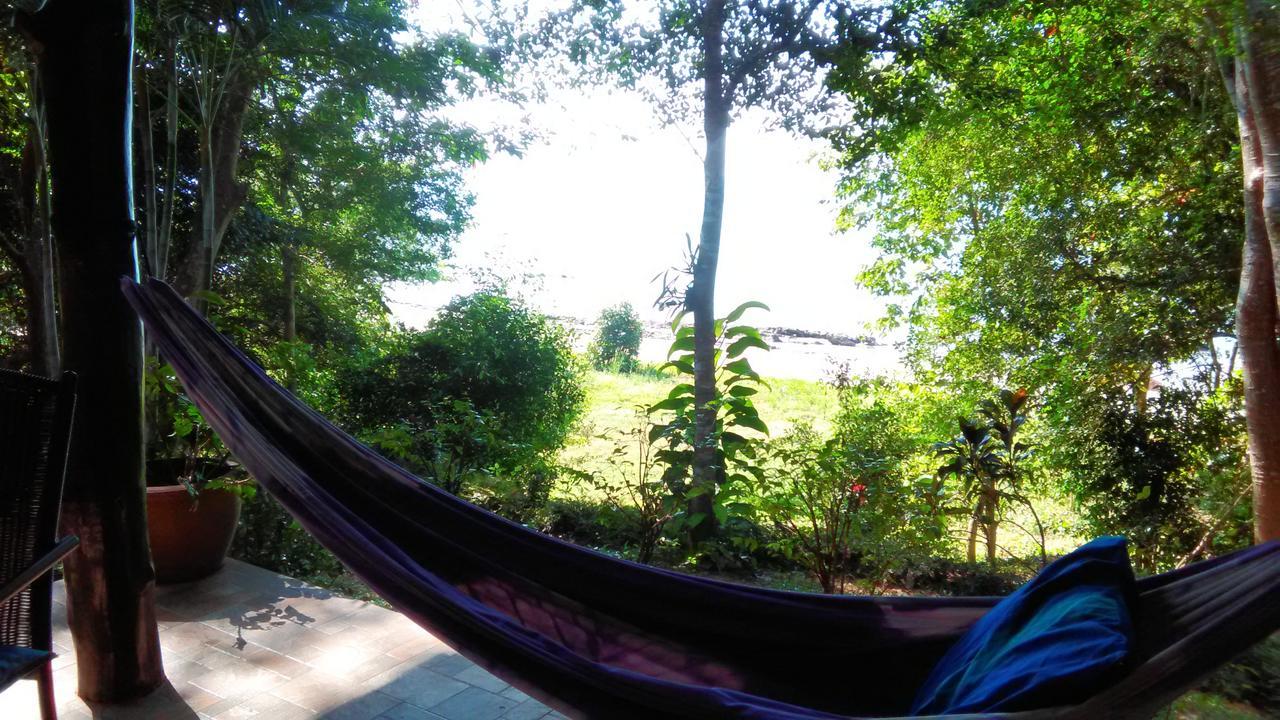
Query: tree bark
(145,124)
(289,264)
(1253,81)
(221,191)
(972,553)
(35,257)
(1260,92)
(86,77)
(701,300)
(165,230)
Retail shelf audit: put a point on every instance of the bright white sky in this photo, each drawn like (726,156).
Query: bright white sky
(603,204)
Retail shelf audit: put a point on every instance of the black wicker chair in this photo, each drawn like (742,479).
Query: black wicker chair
(35,427)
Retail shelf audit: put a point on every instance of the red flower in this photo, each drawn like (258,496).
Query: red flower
(857,488)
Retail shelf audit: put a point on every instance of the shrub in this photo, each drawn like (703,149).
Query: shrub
(617,343)
(490,386)
(637,487)
(1173,478)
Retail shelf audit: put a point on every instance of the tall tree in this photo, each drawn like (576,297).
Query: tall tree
(86,76)
(713,60)
(1054,193)
(26,237)
(353,161)
(1248,35)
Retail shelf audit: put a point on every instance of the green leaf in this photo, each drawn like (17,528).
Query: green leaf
(656,432)
(741,345)
(682,344)
(741,367)
(751,421)
(680,390)
(675,403)
(680,365)
(738,311)
(742,391)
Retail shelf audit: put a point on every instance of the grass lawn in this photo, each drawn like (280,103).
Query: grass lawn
(613,400)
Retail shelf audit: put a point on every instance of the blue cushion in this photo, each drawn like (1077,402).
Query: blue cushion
(1061,637)
(16,662)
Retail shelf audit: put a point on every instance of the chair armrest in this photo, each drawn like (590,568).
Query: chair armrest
(42,565)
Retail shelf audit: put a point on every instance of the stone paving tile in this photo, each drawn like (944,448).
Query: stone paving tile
(448,663)
(319,691)
(416,685)
(476,675)
(364,707)
(264,707)
(527,710)
(515,694)
(474,704)
(415,645)
(247,643)
(405,711)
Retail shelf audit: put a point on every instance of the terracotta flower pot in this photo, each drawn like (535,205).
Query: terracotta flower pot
(190,536)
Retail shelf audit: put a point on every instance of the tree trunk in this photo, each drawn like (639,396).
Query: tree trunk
(35,258)
(86,78)
(1142,390)
(1261,74)
(150,194)
(1254,85)
(165,230)
(221,192)
(37,297)
(289,263)
(972,555)
(701,298)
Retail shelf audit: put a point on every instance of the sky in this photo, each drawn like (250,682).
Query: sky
(604,201)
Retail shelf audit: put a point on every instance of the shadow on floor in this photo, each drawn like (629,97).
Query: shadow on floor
(164,702)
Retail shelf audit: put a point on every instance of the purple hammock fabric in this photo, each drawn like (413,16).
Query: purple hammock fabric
(596,636)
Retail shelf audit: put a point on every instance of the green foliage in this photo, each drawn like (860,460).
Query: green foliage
(617,342)
(489,387)
(1053,188)
(849,504)
(637,483)
(986,458)
(1169,476)
(738,426)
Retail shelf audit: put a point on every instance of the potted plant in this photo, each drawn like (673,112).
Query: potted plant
(194,489)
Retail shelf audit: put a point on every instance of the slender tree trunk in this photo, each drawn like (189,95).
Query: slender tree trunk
(1260,71)
(289,263)
(221,192)
(86,78)
(1141,391)
(992,527)
(1252,79)
(973,534)
(706,455)
(38,299)
(146,148)
(164,232)
(34,258)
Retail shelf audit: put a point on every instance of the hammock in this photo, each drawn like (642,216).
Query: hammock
(596,636)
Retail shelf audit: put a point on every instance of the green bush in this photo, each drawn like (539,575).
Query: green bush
(1168,477)
(616,346)
(489,387)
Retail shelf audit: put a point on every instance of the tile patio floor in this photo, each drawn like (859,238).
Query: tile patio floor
(248,643)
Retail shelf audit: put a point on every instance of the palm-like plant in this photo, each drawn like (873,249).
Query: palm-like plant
(986,458)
